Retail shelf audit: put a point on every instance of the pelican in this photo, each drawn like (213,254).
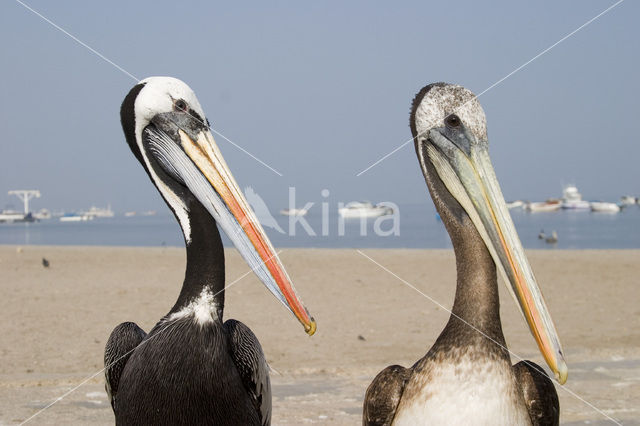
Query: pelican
(466,378)
(193,368)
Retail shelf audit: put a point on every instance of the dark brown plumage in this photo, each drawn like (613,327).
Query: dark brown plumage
(539,394)
(383,396)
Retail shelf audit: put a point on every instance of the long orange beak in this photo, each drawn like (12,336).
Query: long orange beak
(201,167)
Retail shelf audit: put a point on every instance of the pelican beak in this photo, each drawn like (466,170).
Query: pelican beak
(465,168)
(186,150)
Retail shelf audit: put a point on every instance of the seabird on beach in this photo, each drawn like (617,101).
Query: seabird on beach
(467,377)
(193,368)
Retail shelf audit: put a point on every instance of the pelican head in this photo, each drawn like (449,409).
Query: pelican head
(450,134)
(168,132)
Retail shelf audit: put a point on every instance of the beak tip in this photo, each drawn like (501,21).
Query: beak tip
(310,328)
(562,372)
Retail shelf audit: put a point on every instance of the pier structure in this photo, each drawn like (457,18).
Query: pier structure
(25,195)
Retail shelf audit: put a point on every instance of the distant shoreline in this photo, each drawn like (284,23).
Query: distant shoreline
(296,248)
(417,230)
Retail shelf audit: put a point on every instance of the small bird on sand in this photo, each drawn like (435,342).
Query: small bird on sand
(45,262)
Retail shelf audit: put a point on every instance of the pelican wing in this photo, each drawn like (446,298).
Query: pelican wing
(540,395)
(249,359)
(383,396)
(121,344)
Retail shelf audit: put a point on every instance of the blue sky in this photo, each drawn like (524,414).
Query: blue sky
(319,91)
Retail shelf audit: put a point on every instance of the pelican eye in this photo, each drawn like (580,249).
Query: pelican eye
(180,105)
(453,121)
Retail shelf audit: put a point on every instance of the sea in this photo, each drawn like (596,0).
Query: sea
(412,226)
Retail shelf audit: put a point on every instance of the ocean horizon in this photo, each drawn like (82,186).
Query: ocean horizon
(417,227)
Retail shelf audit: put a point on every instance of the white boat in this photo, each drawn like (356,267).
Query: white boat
(293,212)
(515,204)
(148,213)
(11,216)
(75,217)
(361,209)
(42,214)
(543,206)
(628,200)
(572,199)
(99,212)
(129,214)
(599,206)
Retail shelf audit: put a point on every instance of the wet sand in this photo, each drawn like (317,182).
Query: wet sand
(55,322)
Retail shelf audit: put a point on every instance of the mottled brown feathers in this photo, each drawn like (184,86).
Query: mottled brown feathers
(383,396)
(539,394)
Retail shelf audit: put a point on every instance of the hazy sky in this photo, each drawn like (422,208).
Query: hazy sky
(319,91)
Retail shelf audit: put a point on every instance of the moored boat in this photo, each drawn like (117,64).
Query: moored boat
(543,206)
(99,212)
(12,216)
(75,217)
(293,212)
(363,209)
(42,214)
(572,199)
(602,207)
(515,204)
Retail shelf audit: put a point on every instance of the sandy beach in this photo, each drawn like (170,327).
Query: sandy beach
(55,322)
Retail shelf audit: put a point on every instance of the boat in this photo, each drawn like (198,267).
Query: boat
(148,213)
(600,206)
(515,204)
(550,205)
(572,199)
(12,216)
(99,212)
(75,217)
(42,214)
(129,214)
(293,212)
(628,200)
(363,209)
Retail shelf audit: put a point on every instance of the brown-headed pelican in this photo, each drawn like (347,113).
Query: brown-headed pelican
(466,378)
(192,368)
